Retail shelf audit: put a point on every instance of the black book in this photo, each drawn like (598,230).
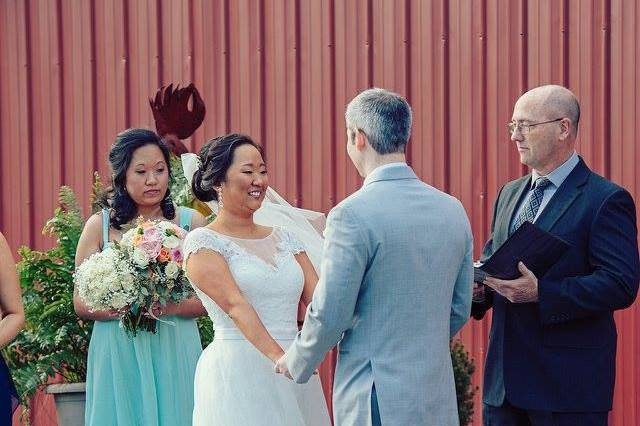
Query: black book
(537,249)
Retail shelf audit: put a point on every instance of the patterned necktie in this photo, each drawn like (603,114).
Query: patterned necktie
(528,213)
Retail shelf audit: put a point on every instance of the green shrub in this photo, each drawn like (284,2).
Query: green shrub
(55,340)
(463,369)
(205,326)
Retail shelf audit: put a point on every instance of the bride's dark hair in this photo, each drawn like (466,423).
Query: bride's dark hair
(216,156)
(123,208)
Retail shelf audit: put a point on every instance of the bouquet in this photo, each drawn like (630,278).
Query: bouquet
(136,276)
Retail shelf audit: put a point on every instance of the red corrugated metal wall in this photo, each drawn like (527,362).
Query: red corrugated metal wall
(73,73)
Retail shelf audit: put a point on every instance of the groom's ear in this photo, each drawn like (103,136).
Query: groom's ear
(361,140)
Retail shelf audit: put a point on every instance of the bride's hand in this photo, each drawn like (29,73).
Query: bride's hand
(281,367)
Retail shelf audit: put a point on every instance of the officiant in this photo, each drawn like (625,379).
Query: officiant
(552,348)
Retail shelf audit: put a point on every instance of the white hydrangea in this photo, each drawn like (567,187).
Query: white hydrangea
(105,282)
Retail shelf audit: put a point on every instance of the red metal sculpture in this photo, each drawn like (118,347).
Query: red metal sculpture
(178,113)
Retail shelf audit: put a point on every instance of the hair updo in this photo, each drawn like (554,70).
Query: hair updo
(216,156)
(123,208)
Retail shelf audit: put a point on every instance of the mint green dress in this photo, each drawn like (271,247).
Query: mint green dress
(145,380)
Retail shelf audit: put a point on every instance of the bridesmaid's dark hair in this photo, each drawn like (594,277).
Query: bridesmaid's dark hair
(216,157)
(123,208)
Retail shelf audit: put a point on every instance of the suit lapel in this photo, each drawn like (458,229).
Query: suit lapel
(502,233)
(564,197)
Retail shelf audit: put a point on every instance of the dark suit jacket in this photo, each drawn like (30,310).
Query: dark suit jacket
(559,354)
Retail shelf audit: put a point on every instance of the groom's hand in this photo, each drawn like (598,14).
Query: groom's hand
(281,367)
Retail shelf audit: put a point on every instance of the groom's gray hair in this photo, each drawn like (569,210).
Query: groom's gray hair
(384,116)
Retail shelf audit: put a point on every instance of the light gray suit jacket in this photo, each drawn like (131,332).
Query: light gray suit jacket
(396,284)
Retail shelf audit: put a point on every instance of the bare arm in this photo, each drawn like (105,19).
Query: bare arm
(190,308)
(310,277)
(210,272)
(89,243)
(10,296)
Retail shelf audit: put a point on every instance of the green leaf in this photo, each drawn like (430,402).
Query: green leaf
(51,309)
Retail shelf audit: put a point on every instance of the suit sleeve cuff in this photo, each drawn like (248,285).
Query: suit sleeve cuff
(549,305)
(299,368)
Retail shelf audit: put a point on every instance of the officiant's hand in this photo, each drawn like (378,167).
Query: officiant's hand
(281,367)
(520,290)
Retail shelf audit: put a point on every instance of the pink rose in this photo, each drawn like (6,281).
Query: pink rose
(151,248)
(152,234)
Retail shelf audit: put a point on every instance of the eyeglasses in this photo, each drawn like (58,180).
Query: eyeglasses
(524,129)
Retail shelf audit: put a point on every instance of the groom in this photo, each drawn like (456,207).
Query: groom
(395,285)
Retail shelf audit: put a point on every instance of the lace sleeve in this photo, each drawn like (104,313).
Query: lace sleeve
(290,242)
(201,238)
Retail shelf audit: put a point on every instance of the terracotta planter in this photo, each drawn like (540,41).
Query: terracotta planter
(69,399)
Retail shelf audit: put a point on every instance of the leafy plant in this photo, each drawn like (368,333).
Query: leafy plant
(180,191)
(463,369)
(99,194)
(55,340)
(205,326)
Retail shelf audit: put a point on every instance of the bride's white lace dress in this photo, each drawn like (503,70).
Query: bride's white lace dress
(235,384)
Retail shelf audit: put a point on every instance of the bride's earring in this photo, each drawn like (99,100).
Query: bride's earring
(220,203)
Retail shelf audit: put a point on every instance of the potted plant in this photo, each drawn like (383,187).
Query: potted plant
(55,341)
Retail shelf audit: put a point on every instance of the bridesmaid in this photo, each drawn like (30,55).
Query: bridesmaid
(147,379)
(12,314)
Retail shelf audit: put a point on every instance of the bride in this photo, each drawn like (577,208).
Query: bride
(250,278)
